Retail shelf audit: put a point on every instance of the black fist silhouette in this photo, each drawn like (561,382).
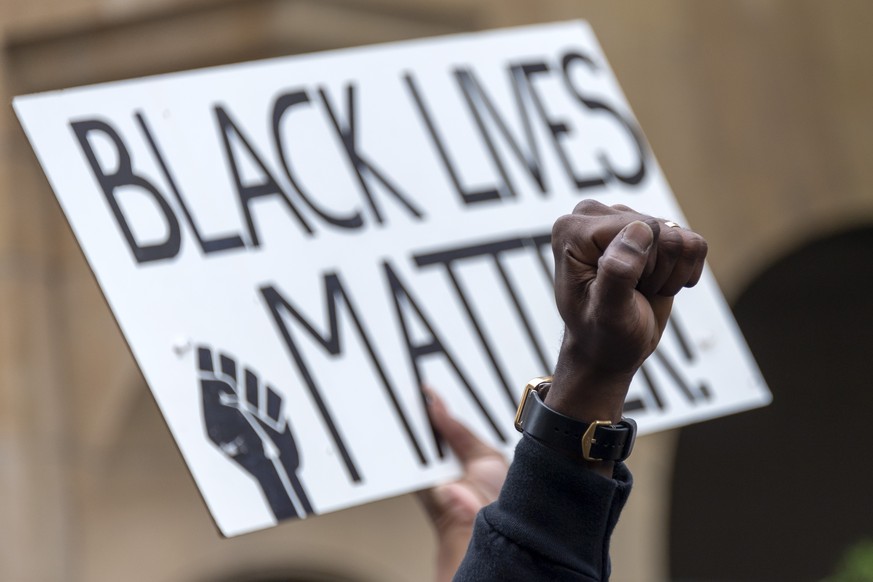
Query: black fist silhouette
(245,421)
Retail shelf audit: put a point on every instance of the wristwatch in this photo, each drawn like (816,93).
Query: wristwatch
(599,440)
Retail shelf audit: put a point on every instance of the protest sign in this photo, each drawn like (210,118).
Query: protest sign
(291,247)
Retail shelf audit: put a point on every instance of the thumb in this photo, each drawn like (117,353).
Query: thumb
(621,266)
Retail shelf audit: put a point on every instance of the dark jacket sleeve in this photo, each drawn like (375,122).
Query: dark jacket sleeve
(552,521)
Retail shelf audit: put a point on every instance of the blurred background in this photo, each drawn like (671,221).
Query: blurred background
(761,115)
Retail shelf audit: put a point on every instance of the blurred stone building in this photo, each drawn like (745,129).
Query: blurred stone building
(761,115)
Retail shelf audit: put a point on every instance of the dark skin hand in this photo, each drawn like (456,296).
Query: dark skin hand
(616,273)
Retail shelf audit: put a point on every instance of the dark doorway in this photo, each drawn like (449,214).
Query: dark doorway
(779,493)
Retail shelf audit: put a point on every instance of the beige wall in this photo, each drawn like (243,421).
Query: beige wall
(758,110)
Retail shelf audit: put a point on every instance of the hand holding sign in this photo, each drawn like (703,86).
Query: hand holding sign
(247,425)
(616,272)
(453,506)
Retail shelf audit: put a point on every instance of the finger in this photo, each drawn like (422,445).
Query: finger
(252,395)
(667,250)
(274,404)
(689,263)
(697,274)
(655,225)
(578,243)
(620,268)
(590,228)
(465,444)
(661,307)
(204,359)
(217,391)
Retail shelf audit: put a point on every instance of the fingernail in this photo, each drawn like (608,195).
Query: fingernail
(638,235)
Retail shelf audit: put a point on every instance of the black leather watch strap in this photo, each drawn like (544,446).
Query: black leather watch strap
(600,440)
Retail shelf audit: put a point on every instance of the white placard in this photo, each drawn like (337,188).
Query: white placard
(291,246)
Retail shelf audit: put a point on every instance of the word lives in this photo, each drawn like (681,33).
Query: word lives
(541,129)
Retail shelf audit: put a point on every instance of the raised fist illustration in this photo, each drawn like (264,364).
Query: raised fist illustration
(243,417)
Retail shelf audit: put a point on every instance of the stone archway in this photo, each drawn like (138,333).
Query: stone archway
(780,492)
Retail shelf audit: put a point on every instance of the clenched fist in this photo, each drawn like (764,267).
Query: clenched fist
(616,272)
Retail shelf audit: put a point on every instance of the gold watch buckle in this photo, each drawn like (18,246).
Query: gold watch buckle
(532,385)
(588,439)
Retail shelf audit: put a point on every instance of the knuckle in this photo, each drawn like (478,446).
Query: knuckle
(694,248)
(561,230)
(589,206)
(702,245)
(690,251)
(671,243)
